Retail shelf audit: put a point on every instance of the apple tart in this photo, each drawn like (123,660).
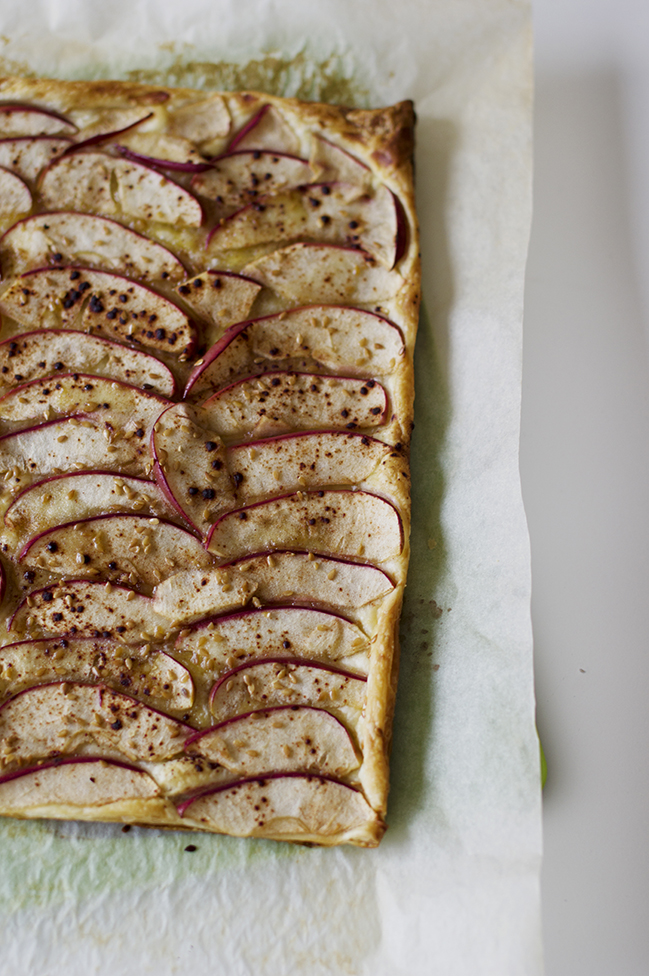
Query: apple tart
(209,304)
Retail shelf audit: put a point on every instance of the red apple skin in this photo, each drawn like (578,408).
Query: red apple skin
(26,770)
(156,163)
(105,136)
(8,107)
(250,124)
(402,230)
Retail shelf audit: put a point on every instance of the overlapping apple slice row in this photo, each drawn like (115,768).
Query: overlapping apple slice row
(72,718)
(59,720)
(317,338)
(110,421)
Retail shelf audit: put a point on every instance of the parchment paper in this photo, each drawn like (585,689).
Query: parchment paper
(454,889)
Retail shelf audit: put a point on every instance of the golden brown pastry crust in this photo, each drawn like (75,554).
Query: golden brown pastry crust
(383,140)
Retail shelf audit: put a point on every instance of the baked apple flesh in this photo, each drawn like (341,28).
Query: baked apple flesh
(334,213)
(279,402)
(73,444)
(22,119)
(267,683)
(285,806)
(70,717)
(148,675)
(220,298)
(241,177)
(15,196)
(64,498)
(332,163)
(297,578)
(284,739)
(28,155)
(102,302)
(49,352)
(309,459)
(132,549)
(267,129)
(112,186)
(63,237)
(325,273)
(352,524)
(336,338)
(82,608)
(221,642)
(124,407)
(82,782)
(190,467)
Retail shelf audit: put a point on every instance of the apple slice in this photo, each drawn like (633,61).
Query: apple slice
(83,608)
(23,119)
(325,273)
(3,583)
(283,577)
(73,444)
(26,156)
(99,301)
(88,720)
(287,807)
(15,197)
(162,151)
(85,782)
(193,594)
(339,523)
(201,119)
(295,461)
(131,549)
(336,213)
(48,352)
(64,236)
(285,739)
(191,467)
(268,683)
(152,676)
(220,297)
(267,129)
(110,185)
(300,577)
(332,163)
(103,123)
(240,177)
(220,642)
(67,497)
(277,402)
(125,408)
(332,337)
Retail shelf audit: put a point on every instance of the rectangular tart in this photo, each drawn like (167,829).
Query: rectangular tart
(209,304)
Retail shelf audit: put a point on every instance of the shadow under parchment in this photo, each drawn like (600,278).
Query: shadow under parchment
(422,616)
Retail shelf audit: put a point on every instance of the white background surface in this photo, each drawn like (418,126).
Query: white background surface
(585,467)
